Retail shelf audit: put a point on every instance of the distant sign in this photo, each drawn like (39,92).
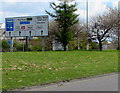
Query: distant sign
(9,42)
(26,26)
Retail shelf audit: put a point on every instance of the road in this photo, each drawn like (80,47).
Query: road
(102,83)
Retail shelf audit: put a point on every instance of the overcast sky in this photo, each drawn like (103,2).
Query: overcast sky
(16,8)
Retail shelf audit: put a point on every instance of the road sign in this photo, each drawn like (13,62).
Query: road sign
(9,42)
(9,25)
(26,26)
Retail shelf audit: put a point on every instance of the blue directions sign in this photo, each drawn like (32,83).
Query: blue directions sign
(25,22)
(9,24)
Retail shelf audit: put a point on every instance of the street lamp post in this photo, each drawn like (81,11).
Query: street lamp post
(118,25)
(87,42)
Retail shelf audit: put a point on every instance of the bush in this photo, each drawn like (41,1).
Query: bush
(73,44)
(82,44)
(5,46)
(35,48)
(93,45)
(18,46)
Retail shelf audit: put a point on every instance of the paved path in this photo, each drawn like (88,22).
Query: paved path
(102,83)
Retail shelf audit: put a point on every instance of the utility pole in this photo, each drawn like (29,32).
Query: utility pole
(87,39)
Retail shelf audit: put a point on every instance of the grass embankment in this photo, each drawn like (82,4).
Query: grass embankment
(23,69)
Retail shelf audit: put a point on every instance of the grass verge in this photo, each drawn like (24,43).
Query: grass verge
(24,69)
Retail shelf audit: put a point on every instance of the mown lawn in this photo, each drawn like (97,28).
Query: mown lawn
(23,69)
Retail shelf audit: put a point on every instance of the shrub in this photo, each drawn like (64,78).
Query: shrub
(35,48)
(5,46)
(73,44)
(18,46)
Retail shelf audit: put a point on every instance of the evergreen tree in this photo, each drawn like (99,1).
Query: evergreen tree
(64,14)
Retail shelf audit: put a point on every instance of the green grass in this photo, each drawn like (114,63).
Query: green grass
(23,69)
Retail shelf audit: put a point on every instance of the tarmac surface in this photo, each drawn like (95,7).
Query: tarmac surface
(107,82)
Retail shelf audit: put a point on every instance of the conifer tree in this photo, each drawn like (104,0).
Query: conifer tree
(64,14)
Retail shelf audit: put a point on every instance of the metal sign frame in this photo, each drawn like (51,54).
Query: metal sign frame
(26,26)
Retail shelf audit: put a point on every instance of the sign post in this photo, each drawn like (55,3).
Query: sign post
(11,45)
(26,45)
(43,43)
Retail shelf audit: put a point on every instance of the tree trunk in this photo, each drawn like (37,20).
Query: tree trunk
(64,47)
(100,45)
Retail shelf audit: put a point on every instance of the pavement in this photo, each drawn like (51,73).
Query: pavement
(100,83)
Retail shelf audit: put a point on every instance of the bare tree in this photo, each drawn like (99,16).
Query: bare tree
(103,26)
(53,31)
(76,29)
